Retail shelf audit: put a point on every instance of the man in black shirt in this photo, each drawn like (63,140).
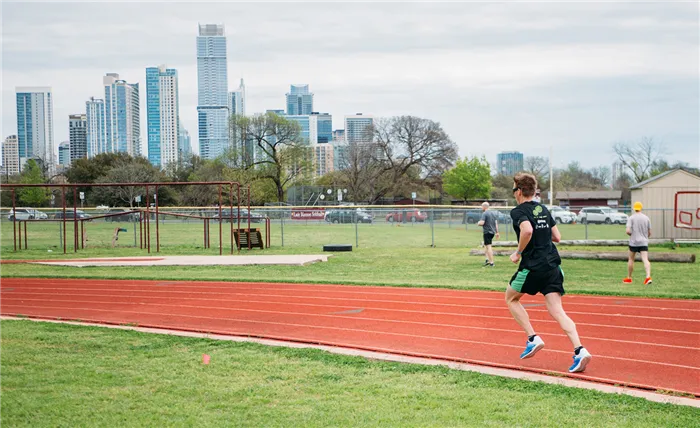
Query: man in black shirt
(539,270)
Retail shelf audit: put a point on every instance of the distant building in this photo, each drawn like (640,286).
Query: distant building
(35,126)
(236,100)
(509,163)
(212,83)
(323,159)
(300,100)
(616,172)
(309,127)
(593,198)
(95,133)
(184,143)
(278,112)
(77,132)
(10,155)
(163,113)
(64,155)
(122,116)
(339,149)
(324,127)
(356,127)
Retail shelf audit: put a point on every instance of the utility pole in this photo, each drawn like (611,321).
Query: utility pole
(551,178)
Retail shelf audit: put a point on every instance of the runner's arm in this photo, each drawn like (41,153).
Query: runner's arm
(525,235)
(556,235)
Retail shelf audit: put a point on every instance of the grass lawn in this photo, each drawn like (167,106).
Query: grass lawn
(387,255)
(59,375)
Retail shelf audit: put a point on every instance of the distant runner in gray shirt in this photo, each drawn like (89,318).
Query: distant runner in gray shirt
(489,221)
(639,230)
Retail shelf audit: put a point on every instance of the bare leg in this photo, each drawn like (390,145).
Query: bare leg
(647,265)
(489,253)
(518,311)
(630,264)
(557,312)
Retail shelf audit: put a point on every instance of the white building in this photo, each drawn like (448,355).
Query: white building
(10,155)
(35,126)
(212,84)
(356,128)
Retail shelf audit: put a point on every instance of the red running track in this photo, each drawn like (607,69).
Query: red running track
(652,344)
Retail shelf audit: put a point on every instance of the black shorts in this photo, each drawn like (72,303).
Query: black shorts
(488,238)
(639,249)
(530,282)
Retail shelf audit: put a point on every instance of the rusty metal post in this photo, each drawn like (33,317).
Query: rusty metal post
(14,219)
(249,216)
(230,200)
(155,198)
(221,225)
(25,236)
(63,202)
(75,219)
(148,223)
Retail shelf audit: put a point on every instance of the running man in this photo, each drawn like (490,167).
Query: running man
(639,230)
(539,270)
(489,221)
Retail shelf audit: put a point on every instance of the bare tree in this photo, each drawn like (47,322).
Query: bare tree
(273,148)
(602,175)
(136,170)
(639,158)
(537,166)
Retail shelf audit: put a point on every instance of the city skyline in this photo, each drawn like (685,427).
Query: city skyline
(500,78)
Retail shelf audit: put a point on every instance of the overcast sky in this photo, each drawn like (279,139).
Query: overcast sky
(498,77)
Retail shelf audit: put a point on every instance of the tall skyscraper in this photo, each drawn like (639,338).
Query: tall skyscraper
(324,126)
(35,126)
(308,125)
(77,132)
(122,115)
(184,143)
(212,76)
(10,155)
(356,128)
(509,163)
(236,100)
(162,102)
(95,134)
(64,155)
(339,150)
(300,100)
(323,158)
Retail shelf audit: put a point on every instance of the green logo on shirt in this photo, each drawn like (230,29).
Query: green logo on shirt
(537,211)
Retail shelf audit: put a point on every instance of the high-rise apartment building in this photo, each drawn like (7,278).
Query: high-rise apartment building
(300,100)
(356,128)
(184,143)
(323,158)
(10,155)
(212,103)
(77,133)
(308,125)
(35,126)
(236,100)
(122,115)
(339,150)
(324,127)
(509,163)
(163,113)
(95,133)
(64,155)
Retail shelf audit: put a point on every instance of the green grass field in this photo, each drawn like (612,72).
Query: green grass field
(59,375)
(387,255)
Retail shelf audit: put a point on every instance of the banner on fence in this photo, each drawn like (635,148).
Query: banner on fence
(308,213)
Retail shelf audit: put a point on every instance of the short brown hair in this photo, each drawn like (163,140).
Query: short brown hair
(525,182)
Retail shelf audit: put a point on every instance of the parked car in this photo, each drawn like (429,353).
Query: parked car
(412,215)
(128,217)
(473,216)
(70,215)
(26,214)
(226,215)
(560,215)
(348,216)
(601,215)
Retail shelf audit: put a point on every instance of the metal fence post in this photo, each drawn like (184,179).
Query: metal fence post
(449,218)
(432,228)
(357,239)
(586,224)
(282,225)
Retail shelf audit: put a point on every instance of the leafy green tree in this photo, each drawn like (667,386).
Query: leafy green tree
(32,196)
(469,179)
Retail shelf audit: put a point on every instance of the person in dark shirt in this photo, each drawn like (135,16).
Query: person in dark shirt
(539,270)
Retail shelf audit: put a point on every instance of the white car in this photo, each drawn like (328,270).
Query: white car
(560,215)
(26,214)
(605,215)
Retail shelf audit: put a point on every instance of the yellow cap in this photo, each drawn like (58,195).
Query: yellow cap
(637,206)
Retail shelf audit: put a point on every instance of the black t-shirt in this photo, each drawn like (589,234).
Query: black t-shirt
(540,254)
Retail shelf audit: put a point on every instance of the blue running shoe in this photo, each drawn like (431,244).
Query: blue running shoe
(580,361)
(532,347)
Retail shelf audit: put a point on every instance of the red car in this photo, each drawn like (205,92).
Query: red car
(411,215)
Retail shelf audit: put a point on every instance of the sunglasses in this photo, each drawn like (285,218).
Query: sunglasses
(515,189)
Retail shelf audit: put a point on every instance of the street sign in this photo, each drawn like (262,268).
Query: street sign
(413,195)
(340,195)
(82,196)
(137,198)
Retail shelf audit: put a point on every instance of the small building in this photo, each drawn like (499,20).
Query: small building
(593,198)
(658,197)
